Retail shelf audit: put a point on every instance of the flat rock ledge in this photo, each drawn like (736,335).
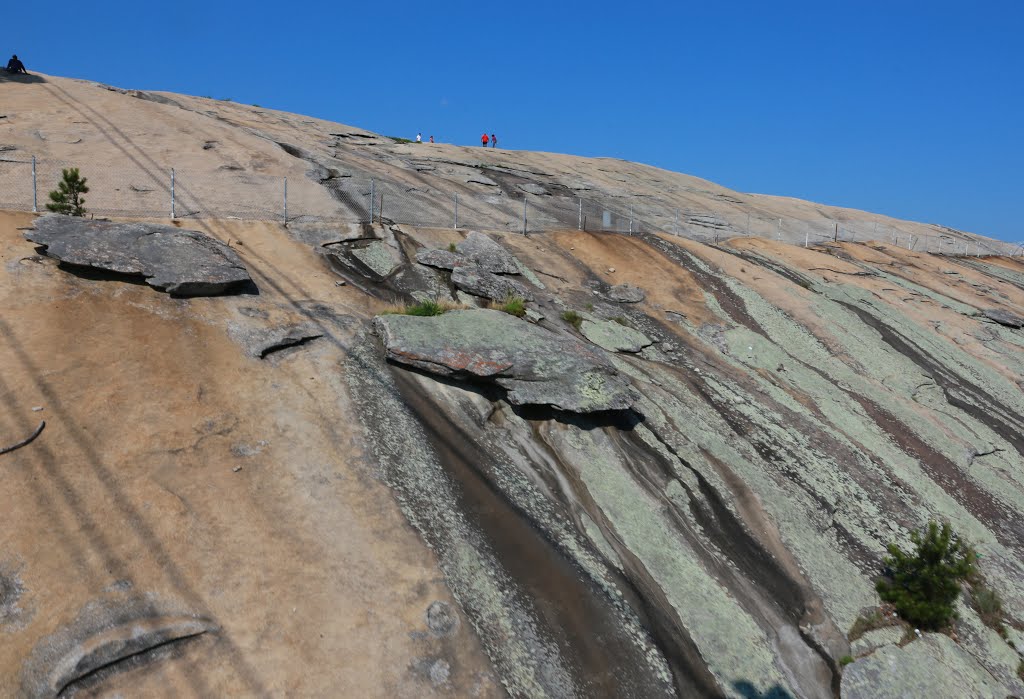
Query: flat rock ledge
(180,262)
(535,366)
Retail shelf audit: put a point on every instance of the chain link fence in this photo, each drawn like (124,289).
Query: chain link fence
(232,192)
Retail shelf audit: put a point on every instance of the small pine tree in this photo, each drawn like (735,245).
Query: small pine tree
(924,584)
(67,198)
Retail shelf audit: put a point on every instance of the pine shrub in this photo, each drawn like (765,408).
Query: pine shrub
(67,198)
(923,584)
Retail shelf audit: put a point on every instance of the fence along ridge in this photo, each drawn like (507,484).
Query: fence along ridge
(245,195)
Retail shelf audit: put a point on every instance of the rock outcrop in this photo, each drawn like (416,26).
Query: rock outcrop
(479,282)
(180,262)
(535,366)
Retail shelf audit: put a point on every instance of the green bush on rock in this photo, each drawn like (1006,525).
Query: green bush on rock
(923,584)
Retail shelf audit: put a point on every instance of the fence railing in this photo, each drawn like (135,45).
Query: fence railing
(143,191)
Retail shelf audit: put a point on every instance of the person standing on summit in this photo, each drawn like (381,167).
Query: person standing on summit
(483,140)
(16,66)
(494,141)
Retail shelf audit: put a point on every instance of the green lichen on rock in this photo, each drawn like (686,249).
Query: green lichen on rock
(614,337)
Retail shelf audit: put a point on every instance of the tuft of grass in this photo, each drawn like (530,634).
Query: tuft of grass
(573,318)
(621,321)
(399,139)
(845,660)
(423,308)
(513,305)
(451,247)
(989,606)
(590,306)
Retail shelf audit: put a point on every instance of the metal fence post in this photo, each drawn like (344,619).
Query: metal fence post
(172,192)
(631,219)
(371,202)
(456,226)
(524,214)
(579,225)
(35,192)
(286,201)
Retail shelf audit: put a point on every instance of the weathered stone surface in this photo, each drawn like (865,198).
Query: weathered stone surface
(483,251)
(933,666)
(626,293)
(106,631)
(532,188)
(536,366)
(614,337)
(876,638)
(180,262)
(1004,318)
(442,259)
(260,342)
(377,255)
(480,282)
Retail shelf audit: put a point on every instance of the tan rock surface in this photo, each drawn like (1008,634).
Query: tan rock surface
(300,556)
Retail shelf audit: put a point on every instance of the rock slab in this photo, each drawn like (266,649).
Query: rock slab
(479,282)
(180,262)
(614,337)
(481,250)
(535,366)
(933,666)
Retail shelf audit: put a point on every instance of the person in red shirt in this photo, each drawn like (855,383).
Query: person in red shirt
(483,140)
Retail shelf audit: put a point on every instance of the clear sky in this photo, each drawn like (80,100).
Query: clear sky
(912,109)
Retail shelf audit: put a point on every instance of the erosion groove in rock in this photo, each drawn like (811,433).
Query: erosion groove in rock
(105,634)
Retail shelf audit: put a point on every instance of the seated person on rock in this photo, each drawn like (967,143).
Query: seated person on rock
(16,66)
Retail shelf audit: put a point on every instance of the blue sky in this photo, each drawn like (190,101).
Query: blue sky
(911,109)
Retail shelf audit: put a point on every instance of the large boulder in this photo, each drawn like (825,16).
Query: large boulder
(180,262)
(934,666)
(479,282)
(480,249)
(535,366)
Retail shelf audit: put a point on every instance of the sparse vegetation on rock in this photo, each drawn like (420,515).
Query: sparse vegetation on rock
(67,198)
(572,318)
(423,308)
(513,305)
(875,619)
(923,584)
